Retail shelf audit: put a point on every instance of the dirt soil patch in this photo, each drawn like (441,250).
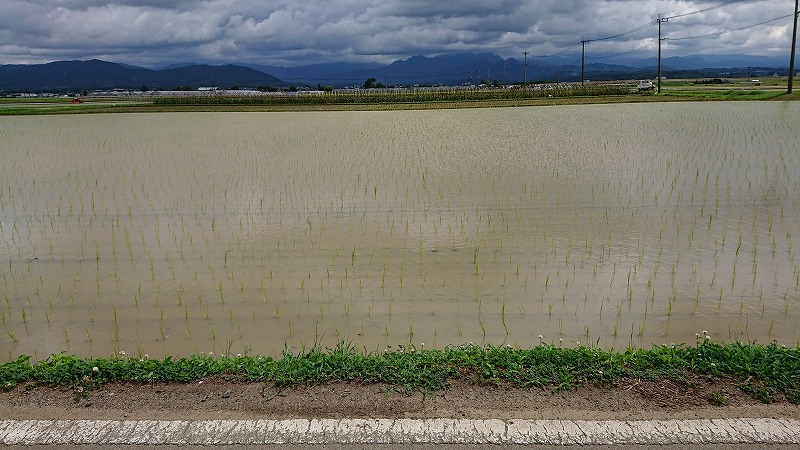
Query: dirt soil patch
(219,398)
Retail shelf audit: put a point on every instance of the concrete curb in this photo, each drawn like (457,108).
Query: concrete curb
(399,431)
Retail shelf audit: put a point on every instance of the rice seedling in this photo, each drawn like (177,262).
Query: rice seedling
(551,226)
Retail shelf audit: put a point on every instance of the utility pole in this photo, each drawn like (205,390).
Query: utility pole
(660,20)
(583,57)
(794,43)
(525,69)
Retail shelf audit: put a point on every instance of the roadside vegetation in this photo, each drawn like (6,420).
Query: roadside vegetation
(731,94)
(398,99)
(767,372)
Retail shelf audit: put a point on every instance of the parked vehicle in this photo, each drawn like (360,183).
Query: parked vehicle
(645,85)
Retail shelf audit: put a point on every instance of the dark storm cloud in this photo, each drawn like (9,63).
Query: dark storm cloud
(155,32)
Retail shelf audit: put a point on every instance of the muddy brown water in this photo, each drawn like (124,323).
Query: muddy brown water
(611,225)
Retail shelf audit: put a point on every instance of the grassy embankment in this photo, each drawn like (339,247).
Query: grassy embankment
(767,372)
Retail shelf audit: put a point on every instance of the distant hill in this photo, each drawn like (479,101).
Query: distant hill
(446,69)
(450,69)
(463,68)
(334,74)
(95,74)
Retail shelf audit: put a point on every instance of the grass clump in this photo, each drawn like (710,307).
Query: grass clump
(717,398)
(764,370)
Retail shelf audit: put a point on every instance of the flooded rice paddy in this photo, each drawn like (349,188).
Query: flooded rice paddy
(614,225)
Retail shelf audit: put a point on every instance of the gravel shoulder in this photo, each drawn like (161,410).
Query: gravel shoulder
(219,398)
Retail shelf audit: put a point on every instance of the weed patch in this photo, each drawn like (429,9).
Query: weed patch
(763,370)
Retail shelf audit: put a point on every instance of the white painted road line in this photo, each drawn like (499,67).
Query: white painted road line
(399,431)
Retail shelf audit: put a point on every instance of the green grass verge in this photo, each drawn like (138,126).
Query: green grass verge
(763,370)
(729,94)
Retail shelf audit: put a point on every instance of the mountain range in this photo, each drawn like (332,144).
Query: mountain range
(456,69)
(451,69)
(60,76)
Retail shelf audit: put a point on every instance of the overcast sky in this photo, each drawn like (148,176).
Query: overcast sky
(155,33)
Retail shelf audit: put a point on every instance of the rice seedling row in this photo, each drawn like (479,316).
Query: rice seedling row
(620,225)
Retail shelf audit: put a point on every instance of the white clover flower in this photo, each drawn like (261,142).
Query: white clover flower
(95,369)
(541,337)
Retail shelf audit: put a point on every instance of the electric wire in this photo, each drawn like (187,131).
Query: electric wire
(710,8)
(614,55)
(559,53)
(674,16)
(718,33)
(637,29)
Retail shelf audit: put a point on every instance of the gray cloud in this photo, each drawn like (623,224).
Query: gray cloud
(289,32)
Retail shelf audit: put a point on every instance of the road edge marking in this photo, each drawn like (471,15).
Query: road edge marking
(400,431)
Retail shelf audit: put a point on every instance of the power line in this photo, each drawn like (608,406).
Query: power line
(658,22)
(581,43)
(566,50)
(664,18)
(710,8)
(637,29)
(718,33)
(525,67)
(614,55)
(794,43)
